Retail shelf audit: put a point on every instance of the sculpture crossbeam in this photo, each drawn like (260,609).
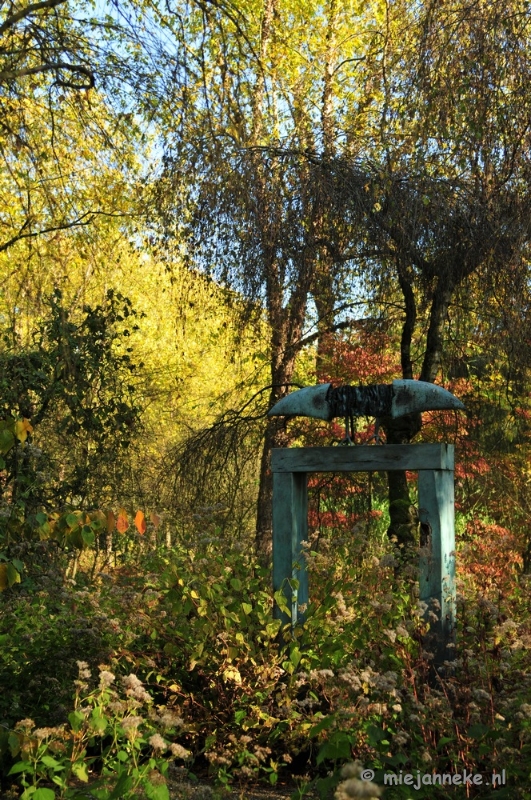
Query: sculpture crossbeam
(402,397)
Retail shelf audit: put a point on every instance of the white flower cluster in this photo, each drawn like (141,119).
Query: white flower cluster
(135,689)
(367,678)
(354,787)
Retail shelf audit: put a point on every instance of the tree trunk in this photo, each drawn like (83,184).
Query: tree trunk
(403,515)
(276,436)
(286,327)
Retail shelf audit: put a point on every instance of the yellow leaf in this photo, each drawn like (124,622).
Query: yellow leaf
(22,428)
(232,674)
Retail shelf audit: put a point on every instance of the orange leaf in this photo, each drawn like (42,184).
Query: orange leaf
(121,523)
(140,522)
(155,519)
(111,522)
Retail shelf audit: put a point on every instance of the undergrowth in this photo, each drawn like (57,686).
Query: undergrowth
(173,663)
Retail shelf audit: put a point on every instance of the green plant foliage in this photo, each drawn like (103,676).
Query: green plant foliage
(77,386)
(249,701)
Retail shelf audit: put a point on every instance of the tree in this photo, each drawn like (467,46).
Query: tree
(77,385)
(452,214)
(260,92)
(304,163)
(66,109)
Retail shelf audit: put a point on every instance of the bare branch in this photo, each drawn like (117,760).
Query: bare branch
(80,221)
(10,75)
(27,11)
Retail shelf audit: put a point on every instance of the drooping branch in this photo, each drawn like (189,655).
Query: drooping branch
(85,219)
(22,13)
(11,75)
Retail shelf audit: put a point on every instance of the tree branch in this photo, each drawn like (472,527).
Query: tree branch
(25,12)
(10,75)
(66,226)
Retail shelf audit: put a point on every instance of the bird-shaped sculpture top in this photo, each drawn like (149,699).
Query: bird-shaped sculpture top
(379,400)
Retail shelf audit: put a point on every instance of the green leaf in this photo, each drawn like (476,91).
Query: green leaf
(339,747)
(44,794)
(76,719)
(295,656)
(156,791)
(322,725)
(80,771)
(72,520)
(48,761)
(7,440)
(282,603)
(13,575)
(74,538)
(375,735)
(21,766)
(98,720)
(88,536)
(247,608)
(477,731)
(272,628)
(444,740)
(14,743)
(123,784)
(122,755)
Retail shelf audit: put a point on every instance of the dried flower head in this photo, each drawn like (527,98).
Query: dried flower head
(179,752)
(157,742)
(135,689)
(45,733)
(106,678)
(84,671)
(25,724)
(354,786)
(170,720)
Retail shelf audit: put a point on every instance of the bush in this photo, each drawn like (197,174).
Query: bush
(195,624)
